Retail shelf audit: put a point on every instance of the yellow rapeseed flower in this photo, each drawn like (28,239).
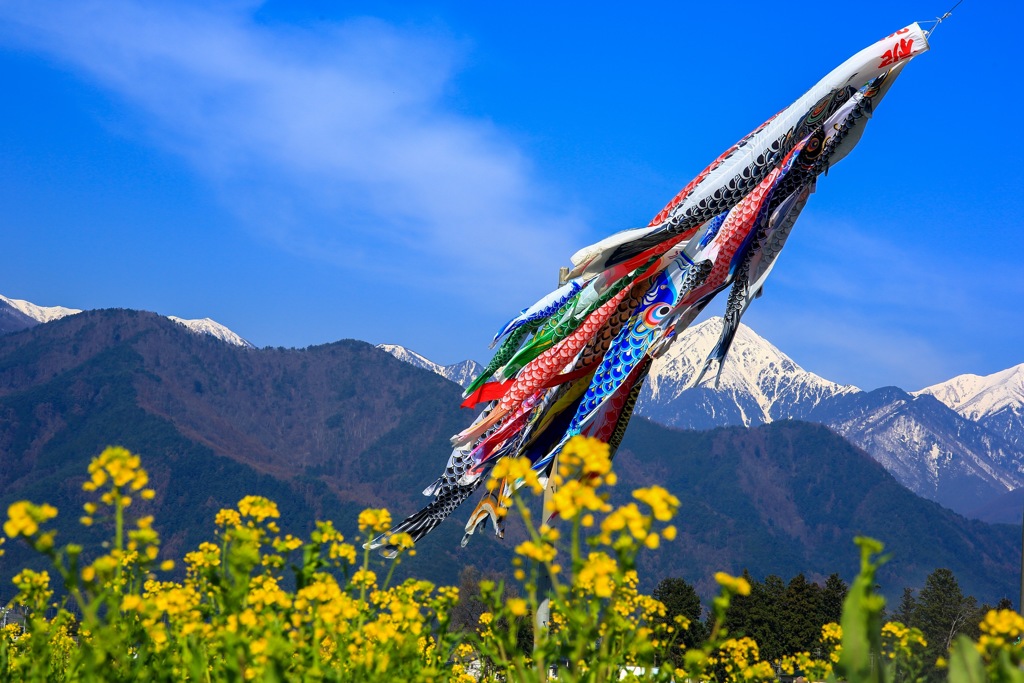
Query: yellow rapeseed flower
(662,503)
(227,518)
(588,457)
(374,520)
(24,518)
(537,551)
(131,603)
(597,575)
(118,466)
(515,470)
(1004,623)
(626,518)
(574,497)
(208,555)
(258,507)
(737,585)
(517,607)
(342,551)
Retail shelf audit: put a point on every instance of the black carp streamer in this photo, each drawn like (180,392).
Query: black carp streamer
(574,362)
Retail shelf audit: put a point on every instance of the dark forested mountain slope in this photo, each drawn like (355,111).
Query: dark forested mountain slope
(791,496)
(324,431)
(12,320)
(328,430)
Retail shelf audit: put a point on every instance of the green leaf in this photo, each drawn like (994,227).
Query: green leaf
(965,665)
(1008,671)
(862,622)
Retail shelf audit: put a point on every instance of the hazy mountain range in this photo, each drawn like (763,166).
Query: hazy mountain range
(330,429)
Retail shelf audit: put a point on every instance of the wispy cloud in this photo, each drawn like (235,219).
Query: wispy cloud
(334,142)
(875,305)
(850,347)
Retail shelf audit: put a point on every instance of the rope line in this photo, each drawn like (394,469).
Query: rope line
(939,20)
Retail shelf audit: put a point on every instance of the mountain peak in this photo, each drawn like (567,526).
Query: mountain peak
(762,383)
(461,373)
(43,314)
(995,401)
(212,328)
(35,314)
(976,397)
(952,458)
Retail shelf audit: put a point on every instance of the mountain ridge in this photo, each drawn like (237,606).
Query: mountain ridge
(462,373)
(333,428)
(32,314)
(963,454)
(996,400)
(962,459)
(757,378)
(43,314)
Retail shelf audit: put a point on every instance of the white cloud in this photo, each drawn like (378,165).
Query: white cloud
(847,346)
(877,306)
(334,142)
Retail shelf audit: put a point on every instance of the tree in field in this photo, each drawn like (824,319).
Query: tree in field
(905,611)
(832,597)
(800,615)
(762,617)
(942,613)
(786,618)
(680,599)
(466,612)
(738,617)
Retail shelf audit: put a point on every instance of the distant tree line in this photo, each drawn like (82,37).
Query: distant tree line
(787,617)
(784,617)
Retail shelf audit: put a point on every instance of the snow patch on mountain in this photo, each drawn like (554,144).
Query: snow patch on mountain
(928,447)
(995,401)
(759,383)
(976,397)
(43,314)
(951,458)
(461,373)
(212,328)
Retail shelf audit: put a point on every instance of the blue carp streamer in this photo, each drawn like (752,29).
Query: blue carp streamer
(574,362)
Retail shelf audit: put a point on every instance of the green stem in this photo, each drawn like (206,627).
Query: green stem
(118,532)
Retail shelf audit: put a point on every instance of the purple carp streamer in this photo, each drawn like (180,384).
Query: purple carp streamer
(574,362)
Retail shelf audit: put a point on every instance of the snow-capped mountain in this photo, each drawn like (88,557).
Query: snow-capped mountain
(946,456)
(460,373)
(18,314)
(995,401)
(759,383)
(951,455)
(43,314)
(929,448)
(212,328)
(13,320)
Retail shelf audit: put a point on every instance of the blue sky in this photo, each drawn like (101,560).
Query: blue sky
(417,172)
